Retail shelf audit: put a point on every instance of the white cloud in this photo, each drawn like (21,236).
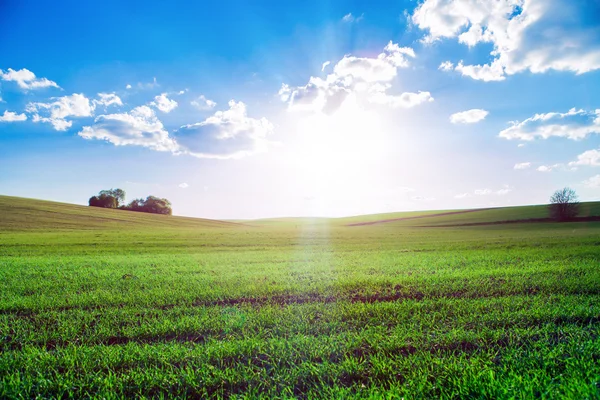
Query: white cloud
(163,103)
(9,116)
(590,157)
(75,105)
(128,86)
(139,127)
(574,124)
(592,182)
(482,192)
(107,99)
(184,185)
(487,72)
(26,79)
(285,92)
(202,103)
(446,66)
(368,78)
(549,168)
(469,117)
(226,134)
(405,100)
(521,145)
(325,64)
(351,18)
(462,196)
(523,165)
(533,35)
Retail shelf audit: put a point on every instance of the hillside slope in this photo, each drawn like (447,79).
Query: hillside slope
(29,214)
(476,216)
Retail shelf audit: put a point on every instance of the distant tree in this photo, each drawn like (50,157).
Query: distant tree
(564,204)
(157,205)
(115,198)
(103,200)
(135,205)
(118,194)
(151,204)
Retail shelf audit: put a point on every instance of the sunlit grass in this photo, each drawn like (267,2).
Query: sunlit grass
(294,310)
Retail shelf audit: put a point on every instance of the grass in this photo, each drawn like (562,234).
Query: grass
(115,304)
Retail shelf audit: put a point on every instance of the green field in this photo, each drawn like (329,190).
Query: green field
(115,304)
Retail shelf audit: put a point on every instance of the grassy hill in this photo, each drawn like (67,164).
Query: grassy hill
(30,214)
(475,216)
(433,218)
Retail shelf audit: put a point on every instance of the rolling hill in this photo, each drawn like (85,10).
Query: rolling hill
(31,214)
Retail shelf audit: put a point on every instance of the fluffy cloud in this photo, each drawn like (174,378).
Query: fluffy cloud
(107,99)
(534,35)
(590,157)
(469,117)
(26,79)
(482,192)
(446,66)
(9,116)
(163,103)
(523,165)
(368,78)
(75,105)
(325,64)
(184,185)
(592,182)
(139,127)
(574,124)
(486,72)
(226,134)
(202,103)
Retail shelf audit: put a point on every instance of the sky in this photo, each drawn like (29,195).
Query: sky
(242,110)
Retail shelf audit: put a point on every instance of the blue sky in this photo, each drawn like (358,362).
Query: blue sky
(323,108)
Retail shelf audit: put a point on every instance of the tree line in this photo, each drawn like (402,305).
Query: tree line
(564,204)
(115,198)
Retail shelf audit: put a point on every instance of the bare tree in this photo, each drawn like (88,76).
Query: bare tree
(564,204)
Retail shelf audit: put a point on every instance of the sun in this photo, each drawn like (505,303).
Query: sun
(333,151)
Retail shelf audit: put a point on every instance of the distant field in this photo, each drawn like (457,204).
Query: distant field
(112,304)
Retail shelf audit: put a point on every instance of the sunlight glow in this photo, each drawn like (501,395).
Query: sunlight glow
(333,150)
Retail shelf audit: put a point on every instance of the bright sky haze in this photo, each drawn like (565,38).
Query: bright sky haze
(244,110)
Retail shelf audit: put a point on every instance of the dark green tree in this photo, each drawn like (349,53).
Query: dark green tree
(118,194)
(151,204)
(103,200)
(564,205)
